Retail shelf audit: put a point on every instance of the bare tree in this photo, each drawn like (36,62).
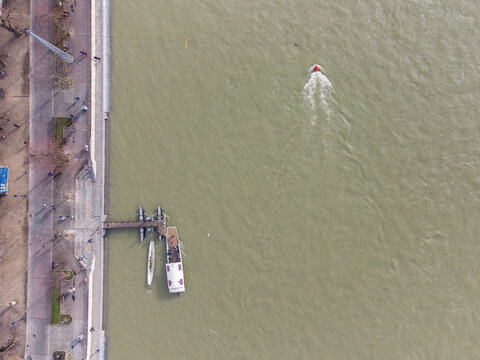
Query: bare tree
(6,23)
(8,344)
(54,156)
(57,21)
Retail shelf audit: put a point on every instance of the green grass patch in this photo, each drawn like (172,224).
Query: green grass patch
(60,123)
(68,275)
(66,319)
(55,317)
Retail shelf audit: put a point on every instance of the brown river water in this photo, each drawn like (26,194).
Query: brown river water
(324,216)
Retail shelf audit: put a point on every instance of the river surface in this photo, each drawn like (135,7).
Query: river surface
(325,216)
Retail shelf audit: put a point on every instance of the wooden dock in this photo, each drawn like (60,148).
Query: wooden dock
(160,225)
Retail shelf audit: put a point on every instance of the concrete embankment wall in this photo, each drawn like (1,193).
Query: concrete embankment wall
(106,56)
(100,110)
(93,93)
(106,140)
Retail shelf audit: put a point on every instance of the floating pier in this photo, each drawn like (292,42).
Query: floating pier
(174,266)
(141,218)
(159,224)
(150,223)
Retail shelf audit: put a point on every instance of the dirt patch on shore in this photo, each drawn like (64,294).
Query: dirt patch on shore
(14,124)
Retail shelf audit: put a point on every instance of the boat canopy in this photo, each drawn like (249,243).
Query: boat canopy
(175,277)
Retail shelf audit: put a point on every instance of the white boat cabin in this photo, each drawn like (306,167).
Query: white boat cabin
(175,277)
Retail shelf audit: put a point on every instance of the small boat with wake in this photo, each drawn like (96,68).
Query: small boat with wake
(316,68)
(174,264)
(150,262)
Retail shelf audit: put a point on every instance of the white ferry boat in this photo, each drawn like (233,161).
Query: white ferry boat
(174,264)
(150,263)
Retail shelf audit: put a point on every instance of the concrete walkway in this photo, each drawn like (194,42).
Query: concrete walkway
(90,212)
(91,83)
(40,229)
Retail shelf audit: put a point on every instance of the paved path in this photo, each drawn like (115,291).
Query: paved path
(40,192)
(42,338)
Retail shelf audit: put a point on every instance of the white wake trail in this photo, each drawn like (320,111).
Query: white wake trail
(318,91)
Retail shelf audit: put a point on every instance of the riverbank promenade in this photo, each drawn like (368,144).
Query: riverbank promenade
(76,193)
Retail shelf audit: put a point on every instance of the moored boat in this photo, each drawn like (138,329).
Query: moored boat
(150,262)
(174,264)
(142,230)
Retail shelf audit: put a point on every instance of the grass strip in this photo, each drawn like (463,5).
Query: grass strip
(55,317)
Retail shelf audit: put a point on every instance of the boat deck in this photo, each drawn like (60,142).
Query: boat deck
(173,246)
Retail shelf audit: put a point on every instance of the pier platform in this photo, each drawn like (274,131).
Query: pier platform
(160,225)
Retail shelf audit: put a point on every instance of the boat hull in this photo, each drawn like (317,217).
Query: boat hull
(150,262)
(174,266)
(316,68)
